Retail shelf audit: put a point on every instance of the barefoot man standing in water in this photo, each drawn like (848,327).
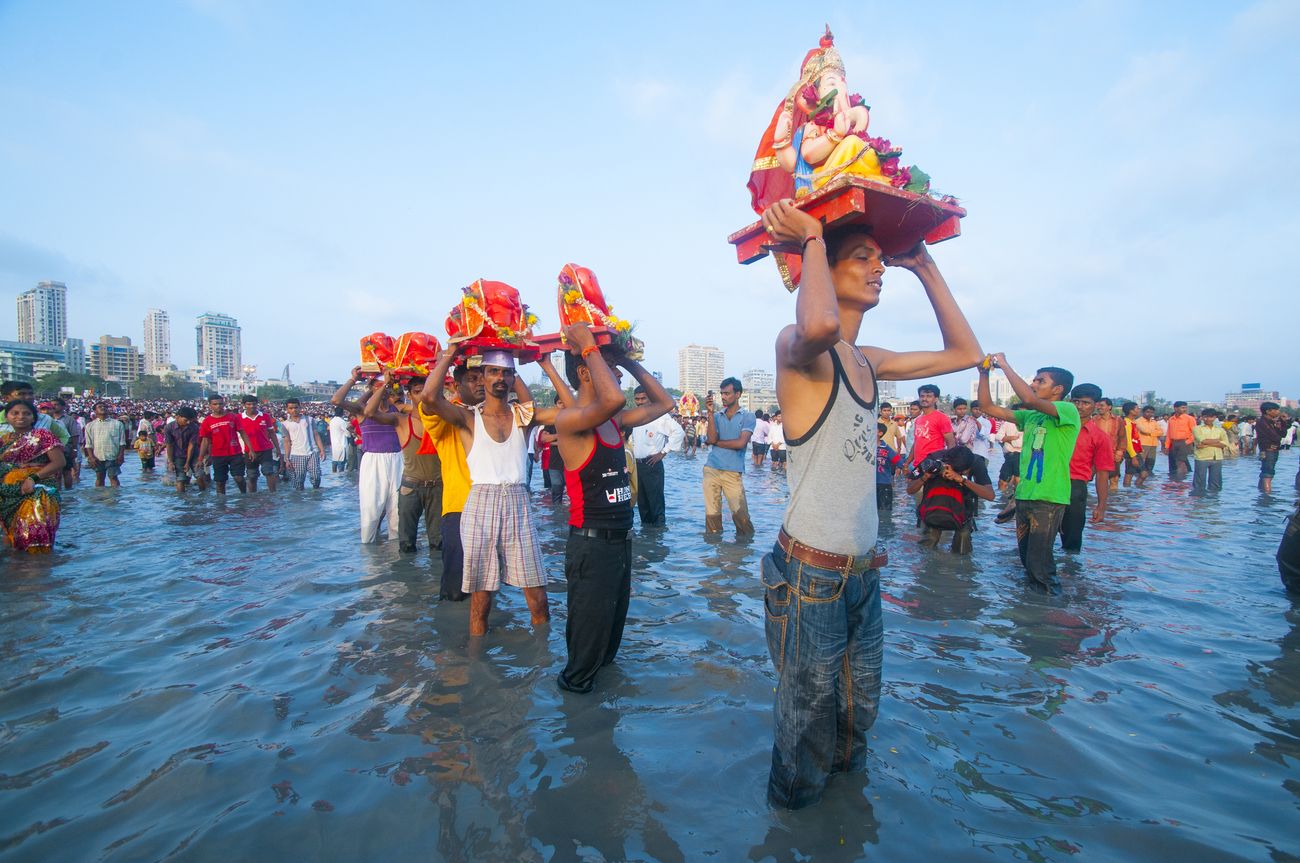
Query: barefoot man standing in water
(824,630)
(496,528)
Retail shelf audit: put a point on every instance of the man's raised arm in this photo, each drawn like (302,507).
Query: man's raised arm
(816,326)
(961,350)
(340,397)
(609,398)
(660,402)
(1022,389)
(986,396)
(434,399)
(375,402)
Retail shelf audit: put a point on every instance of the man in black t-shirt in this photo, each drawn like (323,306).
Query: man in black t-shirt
(598,555)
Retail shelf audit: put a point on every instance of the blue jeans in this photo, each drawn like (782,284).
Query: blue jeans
(826,639)
(1267,463)
(1207,476)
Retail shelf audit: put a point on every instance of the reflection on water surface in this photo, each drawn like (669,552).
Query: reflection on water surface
(232,680)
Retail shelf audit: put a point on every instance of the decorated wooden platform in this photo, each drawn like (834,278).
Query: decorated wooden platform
(898,219)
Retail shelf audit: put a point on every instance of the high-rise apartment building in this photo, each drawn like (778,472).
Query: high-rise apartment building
(157,342)
(114,358)
(43,314)
(217,345)
(700,369)
(759,390)
(74,356)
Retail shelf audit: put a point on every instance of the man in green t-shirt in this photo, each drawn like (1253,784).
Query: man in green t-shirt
(1050,428)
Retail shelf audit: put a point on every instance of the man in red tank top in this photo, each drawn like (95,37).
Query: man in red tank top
(598,555)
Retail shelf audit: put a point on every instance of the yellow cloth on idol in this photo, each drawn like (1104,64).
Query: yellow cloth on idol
(851,157)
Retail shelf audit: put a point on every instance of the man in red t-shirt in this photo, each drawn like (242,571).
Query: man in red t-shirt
(220,440)
(932,430)
(264,452)
(1094,452)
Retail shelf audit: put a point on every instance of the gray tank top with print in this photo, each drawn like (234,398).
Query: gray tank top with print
(832,472)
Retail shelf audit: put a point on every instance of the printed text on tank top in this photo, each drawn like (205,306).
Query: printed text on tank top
(599,490)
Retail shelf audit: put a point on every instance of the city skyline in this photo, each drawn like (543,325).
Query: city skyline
(112,356)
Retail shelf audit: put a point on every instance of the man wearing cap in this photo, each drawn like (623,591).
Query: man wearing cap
(496,529)
(446,438)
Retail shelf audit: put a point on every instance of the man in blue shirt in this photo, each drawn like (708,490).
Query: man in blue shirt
(728,433)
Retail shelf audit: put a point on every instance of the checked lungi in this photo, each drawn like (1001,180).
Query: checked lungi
(500,542)
(302,466)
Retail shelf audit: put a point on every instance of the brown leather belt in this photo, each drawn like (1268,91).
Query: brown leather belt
(813,556)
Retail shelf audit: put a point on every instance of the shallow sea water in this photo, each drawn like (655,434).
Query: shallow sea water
(196,679)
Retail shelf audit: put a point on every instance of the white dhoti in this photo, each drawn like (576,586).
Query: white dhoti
(378,486)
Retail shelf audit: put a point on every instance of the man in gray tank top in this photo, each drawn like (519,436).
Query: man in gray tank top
(822,589)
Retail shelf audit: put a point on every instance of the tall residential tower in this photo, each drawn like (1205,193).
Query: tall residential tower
(43,315)
(217,347)
(157,342)
(700,369)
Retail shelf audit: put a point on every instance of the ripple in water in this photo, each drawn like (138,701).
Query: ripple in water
(230,680)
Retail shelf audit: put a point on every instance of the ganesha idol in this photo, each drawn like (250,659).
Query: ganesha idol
(819,133)
(581,301)
(490,316)
(409,355)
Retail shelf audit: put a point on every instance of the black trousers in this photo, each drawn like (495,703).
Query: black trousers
(650,491)
(1037,525)
(1076,516)
(599,572)
(453,559)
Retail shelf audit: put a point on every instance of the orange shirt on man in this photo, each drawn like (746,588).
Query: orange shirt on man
(1180,428)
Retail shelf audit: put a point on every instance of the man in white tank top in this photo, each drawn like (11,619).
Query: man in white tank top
(496,527)
(823,618)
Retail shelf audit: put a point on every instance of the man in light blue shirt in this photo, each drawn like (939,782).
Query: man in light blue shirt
(728,434)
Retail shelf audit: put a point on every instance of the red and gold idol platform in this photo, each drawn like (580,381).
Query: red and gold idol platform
(898,220)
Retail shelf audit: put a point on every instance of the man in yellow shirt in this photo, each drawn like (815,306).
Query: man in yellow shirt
(470,391)
(1211,449)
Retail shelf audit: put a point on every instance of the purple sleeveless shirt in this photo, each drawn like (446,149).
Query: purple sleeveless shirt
(377,437)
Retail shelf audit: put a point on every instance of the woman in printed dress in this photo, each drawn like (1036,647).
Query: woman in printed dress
(31,461)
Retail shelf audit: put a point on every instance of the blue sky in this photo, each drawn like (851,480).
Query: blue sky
(321,171)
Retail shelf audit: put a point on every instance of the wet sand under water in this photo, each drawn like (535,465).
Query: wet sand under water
(241,680)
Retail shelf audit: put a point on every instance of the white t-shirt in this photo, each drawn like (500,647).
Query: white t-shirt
(761,430)
(776,435)
(1010,436)
(301,440)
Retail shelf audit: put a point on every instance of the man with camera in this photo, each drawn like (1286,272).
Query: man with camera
(949,482)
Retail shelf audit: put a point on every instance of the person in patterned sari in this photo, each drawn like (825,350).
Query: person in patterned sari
(31,462)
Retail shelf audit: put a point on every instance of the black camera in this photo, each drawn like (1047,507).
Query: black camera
(928,465)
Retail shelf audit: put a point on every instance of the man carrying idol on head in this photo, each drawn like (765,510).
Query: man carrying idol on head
(498,539)
(821,578)
(598,553)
